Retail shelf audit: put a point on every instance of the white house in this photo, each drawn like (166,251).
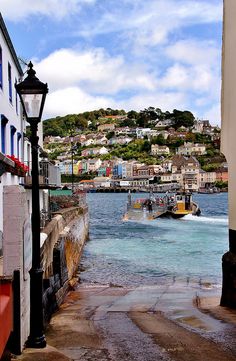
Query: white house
(15,200)
(12,125)
(159,149)
(13,213)
(142,132)
(191,149)
(93,164)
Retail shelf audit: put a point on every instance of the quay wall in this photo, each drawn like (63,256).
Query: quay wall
(62,242)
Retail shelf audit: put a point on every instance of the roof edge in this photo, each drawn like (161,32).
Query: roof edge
(10,45)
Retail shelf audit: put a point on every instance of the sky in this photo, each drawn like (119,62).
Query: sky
(122,54)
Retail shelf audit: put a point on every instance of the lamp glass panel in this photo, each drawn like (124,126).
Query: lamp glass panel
(32,104)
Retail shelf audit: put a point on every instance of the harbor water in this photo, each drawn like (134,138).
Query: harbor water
(150,252)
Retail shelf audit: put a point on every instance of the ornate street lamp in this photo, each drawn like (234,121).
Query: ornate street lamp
(32,93)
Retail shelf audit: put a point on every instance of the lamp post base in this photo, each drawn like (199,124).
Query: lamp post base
(228,297)
(36,342)
(36,337)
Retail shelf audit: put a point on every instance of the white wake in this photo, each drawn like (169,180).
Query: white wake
(204,219)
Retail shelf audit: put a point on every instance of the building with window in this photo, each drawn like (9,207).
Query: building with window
(191,149)
(159,150)
(15,199)
(11,147)
(11,123)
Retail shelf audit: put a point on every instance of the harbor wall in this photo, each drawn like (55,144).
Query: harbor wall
(62,243)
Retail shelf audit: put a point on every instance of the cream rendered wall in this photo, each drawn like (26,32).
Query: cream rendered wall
(228,103)
(16,248)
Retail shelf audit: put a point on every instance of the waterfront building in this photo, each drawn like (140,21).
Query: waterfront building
(83,167)
(104,170)
(93,165)
(117,170)
(147,171)
(127,168)
(166,177)
(222,174)
(207,179)
(189,167)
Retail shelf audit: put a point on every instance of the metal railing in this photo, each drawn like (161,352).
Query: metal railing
(49,174)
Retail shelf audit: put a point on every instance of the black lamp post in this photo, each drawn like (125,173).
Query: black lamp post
(32,93)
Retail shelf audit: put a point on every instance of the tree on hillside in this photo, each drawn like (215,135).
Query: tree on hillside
(182,118)
(132,114)
(147,116)
(146,146)
(128,122)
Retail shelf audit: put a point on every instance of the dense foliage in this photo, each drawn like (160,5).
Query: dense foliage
(137,149)
(73,123)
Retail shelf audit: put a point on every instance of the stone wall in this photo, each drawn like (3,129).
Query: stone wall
(62,243)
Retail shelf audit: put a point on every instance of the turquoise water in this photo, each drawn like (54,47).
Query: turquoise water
(148,252)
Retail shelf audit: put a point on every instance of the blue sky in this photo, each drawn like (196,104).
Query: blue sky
(126,54)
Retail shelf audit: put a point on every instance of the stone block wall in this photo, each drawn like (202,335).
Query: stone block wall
(62,244)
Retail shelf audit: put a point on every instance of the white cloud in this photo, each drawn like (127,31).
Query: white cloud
(195,79)
(164,100)
(149,23)
(196,69)
(94,70)
(195,52)
(73,100)
(163,71)
(57,9)
(213,114)
(90,79)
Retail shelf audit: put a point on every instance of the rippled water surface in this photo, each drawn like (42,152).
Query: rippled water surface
(149,252)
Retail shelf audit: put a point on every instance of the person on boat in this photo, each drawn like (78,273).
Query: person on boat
(149,205)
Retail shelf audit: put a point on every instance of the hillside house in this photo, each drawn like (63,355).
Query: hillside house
(100,139)
(189,148)
(88,141)
(106,127)
(163,123)
(142,132)
(158,150)
(94,151)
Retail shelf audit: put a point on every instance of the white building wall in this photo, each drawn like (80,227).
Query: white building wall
(17,249)
(11,111)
